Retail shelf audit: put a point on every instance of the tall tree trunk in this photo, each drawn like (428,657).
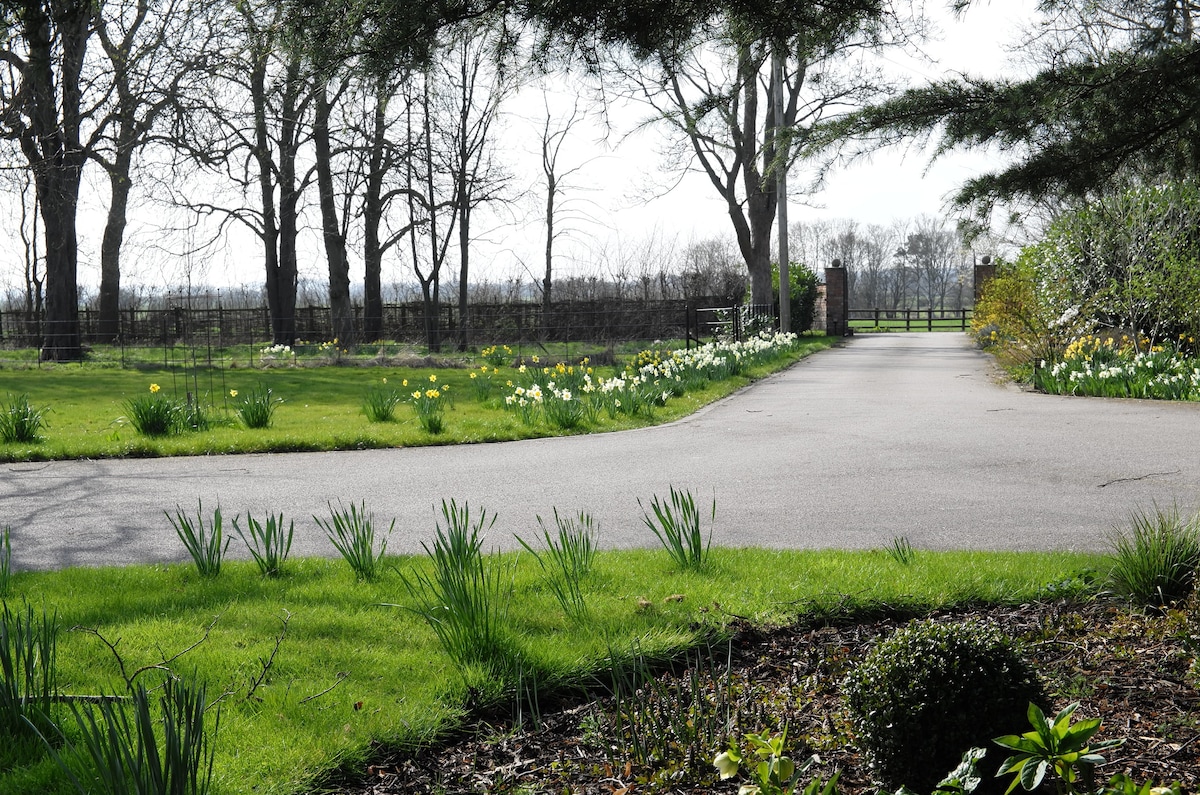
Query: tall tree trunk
(52,146)
(372,219)
(335,243)
(289,200)
(269,230)
(464,252)
(110,247)
(547,280)
(59,194)
(760,192)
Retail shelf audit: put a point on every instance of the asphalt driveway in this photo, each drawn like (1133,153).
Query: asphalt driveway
(888,435)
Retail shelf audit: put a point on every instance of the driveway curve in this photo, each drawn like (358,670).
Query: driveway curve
(886,435)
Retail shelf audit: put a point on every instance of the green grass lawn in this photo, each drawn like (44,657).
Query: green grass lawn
(322,409)
(356,666)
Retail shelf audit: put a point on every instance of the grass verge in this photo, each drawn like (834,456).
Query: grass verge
(322,408)
(313,667)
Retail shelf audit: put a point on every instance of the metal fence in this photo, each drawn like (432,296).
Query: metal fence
(600,321)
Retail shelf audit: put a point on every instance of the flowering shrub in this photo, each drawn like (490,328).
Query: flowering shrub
(1108,367)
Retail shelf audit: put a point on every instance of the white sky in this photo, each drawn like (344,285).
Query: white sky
(891,185)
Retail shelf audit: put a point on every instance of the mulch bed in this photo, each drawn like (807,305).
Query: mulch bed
(1131,668)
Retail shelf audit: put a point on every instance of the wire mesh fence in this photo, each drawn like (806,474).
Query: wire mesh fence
(244,334)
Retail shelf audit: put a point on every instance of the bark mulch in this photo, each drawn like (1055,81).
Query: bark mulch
(1133,669)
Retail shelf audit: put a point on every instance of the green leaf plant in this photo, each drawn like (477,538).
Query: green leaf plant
(1056,746)
(773,772)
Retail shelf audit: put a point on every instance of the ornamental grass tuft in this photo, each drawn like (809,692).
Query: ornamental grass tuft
(269,543)
(465,599)
(567,559)
(1155,558)
(257,407)
(154,414)
(380,403)
(132,753)
(28,682)
(205,543)
(20,421)
(676,523)
(352,532)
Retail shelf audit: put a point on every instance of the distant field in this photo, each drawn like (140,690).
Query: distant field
(867,320)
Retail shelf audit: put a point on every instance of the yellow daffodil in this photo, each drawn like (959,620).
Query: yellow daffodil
(154,388)
(233,393)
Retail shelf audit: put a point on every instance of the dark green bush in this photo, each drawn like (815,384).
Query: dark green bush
(930,691)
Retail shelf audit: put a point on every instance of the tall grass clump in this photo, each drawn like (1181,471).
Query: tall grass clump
(464,599)
(269,543)
(567,558)
(352,533)
(153,414)
(135,754)
(28,645)
(676,523)
(380,403)
(257,407)
(20,421)
(206,544)
(901,551)
(1155,558)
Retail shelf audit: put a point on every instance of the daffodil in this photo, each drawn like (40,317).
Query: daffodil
(154,388)
(233,393)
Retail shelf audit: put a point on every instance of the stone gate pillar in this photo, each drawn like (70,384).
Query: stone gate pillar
(984,271)
(837,301)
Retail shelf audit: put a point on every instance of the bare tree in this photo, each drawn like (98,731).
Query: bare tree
(554,134)
(332,229)
(475,80)
(721,100)
(432,204)
(933,251)
(250,131)
(150,51)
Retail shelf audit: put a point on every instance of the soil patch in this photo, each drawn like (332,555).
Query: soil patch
(1135,670)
